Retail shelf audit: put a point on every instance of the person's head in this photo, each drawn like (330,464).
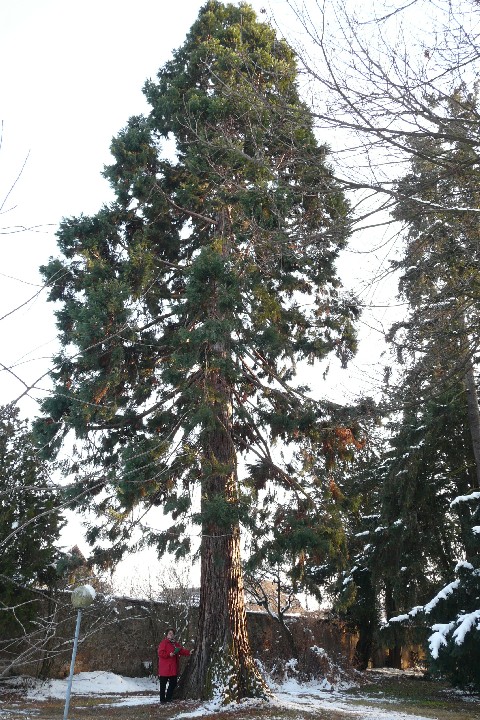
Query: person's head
(170,633)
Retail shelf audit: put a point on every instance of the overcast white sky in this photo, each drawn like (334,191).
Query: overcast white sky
(71,75)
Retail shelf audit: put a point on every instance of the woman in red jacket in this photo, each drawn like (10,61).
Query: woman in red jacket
(168,652)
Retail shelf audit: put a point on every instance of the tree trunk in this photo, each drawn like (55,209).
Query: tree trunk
(222,664)
(473,416)
(364,646)
(394,659)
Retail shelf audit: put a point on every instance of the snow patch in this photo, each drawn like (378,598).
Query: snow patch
(318,651)
(92,683)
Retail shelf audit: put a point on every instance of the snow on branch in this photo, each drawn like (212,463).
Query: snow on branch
(442,595)
(439,637)
(465,498)
(466,623)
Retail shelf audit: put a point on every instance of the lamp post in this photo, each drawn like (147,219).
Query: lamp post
(82,597)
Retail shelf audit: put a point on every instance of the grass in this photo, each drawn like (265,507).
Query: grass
(415,695)
(399,694)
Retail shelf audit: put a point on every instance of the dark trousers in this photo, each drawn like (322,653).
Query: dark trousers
(172,684)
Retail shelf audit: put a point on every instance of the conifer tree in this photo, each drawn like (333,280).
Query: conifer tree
(357,590)
(436,453)
(453,613)
(30,524)
(186,304)
(439,201)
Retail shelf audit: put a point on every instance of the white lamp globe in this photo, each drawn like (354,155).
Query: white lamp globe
(83,596)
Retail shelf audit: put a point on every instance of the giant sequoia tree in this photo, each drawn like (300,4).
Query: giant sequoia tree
(185,304)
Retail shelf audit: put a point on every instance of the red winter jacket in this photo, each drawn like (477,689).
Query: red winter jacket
(168,666)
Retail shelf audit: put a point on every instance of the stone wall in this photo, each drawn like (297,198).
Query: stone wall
(121,635)
(271,644)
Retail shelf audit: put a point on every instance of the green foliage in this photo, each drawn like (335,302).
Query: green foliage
(455,642)
(357,587)
(421,540)
(438,202)
(429,463)
(30,524)
(186,304)
(405,541)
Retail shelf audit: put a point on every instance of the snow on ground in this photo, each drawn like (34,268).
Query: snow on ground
(91,683)
(335,701)
(313,696)
(118,690)
(411,672)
